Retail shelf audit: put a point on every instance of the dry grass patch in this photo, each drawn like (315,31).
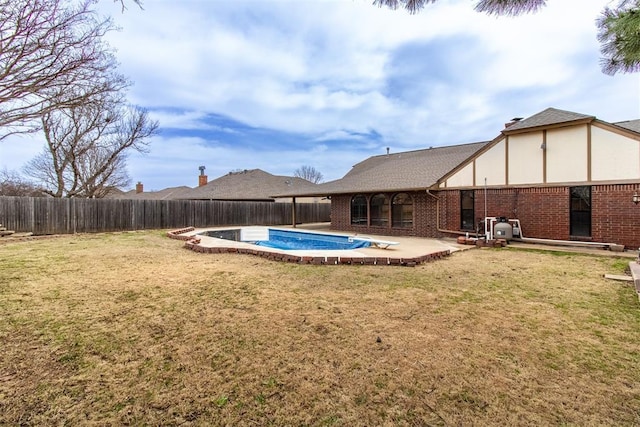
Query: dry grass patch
(132,329)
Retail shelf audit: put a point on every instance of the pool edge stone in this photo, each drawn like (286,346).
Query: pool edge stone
(193,242)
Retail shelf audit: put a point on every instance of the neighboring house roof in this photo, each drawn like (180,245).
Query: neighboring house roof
(409,170)
(633,125)
(254,184)
(116,193)
(548,117)
(166,194)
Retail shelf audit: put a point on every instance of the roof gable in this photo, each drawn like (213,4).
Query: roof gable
(548,117)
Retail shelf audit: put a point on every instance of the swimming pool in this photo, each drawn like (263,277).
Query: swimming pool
(374,250)
(288,239)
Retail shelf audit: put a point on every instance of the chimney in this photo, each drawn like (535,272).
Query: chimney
(202,178)
(512,122)
(139,188)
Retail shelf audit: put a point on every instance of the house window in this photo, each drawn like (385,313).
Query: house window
(467,211)
(359,210)
(402,210)
(580,211)
(379,210)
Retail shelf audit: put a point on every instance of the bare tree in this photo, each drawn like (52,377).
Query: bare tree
(52,56)
(87,145)
(124,6)
(617,27)
(309,173)
(12,184)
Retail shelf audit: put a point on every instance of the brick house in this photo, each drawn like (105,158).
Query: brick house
(563,175)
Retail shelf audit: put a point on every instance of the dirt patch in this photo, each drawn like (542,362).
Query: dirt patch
(131,328)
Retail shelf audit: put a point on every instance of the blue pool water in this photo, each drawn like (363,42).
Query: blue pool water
(293,240)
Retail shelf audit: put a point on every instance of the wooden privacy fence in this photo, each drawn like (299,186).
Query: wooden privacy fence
(42,215)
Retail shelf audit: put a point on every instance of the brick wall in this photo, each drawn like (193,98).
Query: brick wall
(424,217)
(543,213)
(614,218)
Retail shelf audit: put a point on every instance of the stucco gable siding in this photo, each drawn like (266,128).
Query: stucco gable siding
(614,156)
(567,154)
(578,153)
(463,178)
(491,165)
(525,158)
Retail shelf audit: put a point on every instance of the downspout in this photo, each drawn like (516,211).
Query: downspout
(442,230)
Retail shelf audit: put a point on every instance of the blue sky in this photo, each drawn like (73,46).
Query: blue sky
(277,84)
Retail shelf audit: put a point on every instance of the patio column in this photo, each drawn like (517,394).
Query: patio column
(293,212)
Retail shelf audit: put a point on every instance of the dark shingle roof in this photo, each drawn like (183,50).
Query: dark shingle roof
(633,125)
(548,117)
(166,194)
(409,170)
(254,184)
(116,193)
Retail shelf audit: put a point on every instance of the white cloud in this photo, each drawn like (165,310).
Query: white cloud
(342,69)
(186,120)
(187,154)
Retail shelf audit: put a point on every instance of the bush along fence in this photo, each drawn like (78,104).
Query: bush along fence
(42,215)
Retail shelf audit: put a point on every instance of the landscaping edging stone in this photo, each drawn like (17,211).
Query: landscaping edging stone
(193,243)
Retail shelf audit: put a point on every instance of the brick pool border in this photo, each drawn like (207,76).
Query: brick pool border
(193,243)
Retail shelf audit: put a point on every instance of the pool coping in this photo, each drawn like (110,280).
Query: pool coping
(366,256)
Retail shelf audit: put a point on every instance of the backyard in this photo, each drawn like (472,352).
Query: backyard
(131,328)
